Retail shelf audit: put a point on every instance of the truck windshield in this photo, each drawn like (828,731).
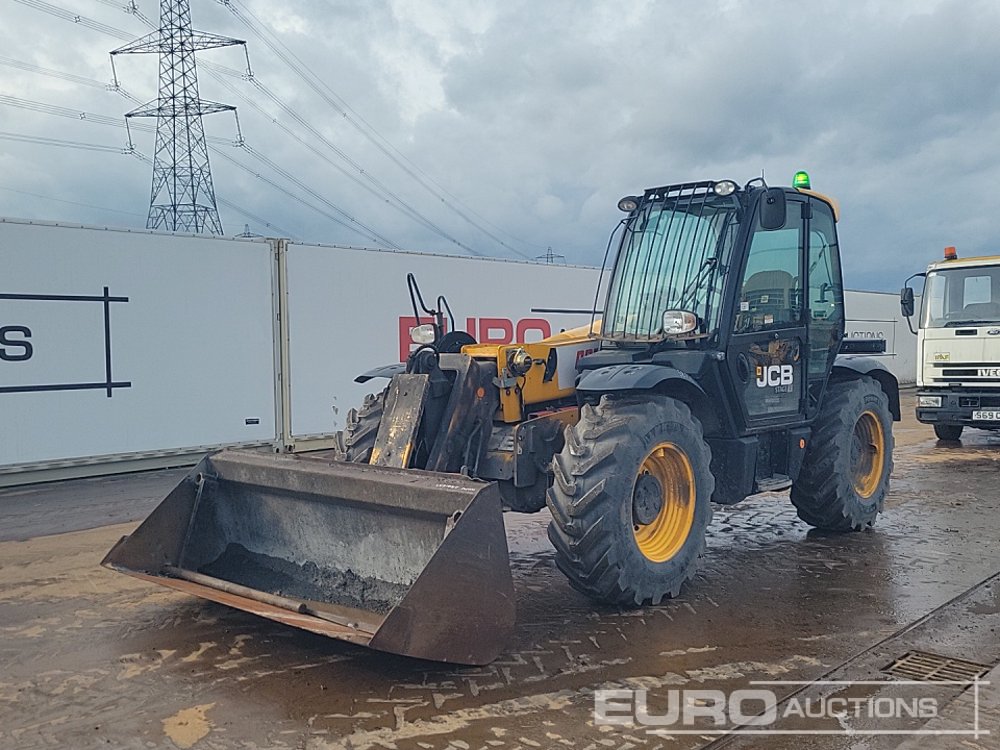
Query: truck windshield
(673,255)
(961,296)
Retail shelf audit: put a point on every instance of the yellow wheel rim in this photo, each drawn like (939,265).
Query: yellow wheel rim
(867,454)
(666,471)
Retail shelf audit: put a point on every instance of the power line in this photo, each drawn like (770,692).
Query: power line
(317,85)
(302,186)
(253,217)
(58,142)
(53,109)
(110,149)
(72,77)
(374,237)
(377,189)
(129,7)
(148,44)
(90,117)
(364,230)
(380,190)
(72,203)
(77,19)
(351,223)
(322,89)
(277,187)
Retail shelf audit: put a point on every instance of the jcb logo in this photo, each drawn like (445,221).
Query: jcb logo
(774,375)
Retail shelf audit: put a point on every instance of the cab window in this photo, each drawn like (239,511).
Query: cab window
(770,294)
(826,292)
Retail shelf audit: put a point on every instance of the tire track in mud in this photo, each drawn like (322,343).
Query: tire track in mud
(93,658)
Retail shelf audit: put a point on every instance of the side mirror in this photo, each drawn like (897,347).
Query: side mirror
(772,209)
(906,301)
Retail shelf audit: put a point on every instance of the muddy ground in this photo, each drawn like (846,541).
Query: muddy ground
(90,658)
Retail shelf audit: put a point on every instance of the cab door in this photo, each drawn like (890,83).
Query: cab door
(767,355)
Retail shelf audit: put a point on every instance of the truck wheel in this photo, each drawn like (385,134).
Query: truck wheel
(355,442)
(949,432)
(630,500)
(845,472)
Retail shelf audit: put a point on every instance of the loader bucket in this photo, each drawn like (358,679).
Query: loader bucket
(406,561)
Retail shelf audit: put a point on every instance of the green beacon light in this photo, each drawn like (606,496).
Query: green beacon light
(801,180)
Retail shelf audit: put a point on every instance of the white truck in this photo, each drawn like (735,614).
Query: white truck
(958,343)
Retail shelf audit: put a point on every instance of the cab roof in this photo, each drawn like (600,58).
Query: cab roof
(970,262)
(825,198)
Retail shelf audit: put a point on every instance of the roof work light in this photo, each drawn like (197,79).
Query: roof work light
(629,203)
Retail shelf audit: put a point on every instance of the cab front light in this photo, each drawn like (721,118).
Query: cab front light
(929,401)
(679,321)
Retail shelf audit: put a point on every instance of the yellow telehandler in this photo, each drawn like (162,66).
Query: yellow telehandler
(719,370)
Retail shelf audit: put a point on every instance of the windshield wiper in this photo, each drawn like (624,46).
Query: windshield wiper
(701,277)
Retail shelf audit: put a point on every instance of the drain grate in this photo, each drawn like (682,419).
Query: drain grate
(921,665)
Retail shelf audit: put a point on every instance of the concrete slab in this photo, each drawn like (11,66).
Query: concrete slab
(94,659)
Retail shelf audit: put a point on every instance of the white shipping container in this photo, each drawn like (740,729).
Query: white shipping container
(876,315)
(349,311)
(179,354)
(122,345)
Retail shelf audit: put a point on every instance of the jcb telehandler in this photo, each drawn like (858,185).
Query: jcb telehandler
(715,373)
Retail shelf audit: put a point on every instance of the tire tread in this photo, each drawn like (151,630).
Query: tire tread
(584,511)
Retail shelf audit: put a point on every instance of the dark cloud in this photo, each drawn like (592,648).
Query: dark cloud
(539,116)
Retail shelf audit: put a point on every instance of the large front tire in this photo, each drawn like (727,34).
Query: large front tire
(354,443)
(845,473)
(630,500)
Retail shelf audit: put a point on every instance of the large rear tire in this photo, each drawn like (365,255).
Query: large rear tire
(845,473)
(354,443)
(630,500)
(949,432)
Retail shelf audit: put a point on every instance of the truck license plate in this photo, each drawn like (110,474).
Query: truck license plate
(986,415)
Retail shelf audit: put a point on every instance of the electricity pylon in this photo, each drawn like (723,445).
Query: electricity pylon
(182,197)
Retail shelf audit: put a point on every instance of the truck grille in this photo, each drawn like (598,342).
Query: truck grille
(967,373)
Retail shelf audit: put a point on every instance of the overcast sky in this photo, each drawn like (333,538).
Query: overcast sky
(539,116)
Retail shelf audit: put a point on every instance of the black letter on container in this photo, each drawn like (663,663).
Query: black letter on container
(6,341)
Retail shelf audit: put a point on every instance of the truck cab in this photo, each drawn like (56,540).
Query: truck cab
(958,344)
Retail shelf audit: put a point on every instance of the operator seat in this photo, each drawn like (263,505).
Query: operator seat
(769,293)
